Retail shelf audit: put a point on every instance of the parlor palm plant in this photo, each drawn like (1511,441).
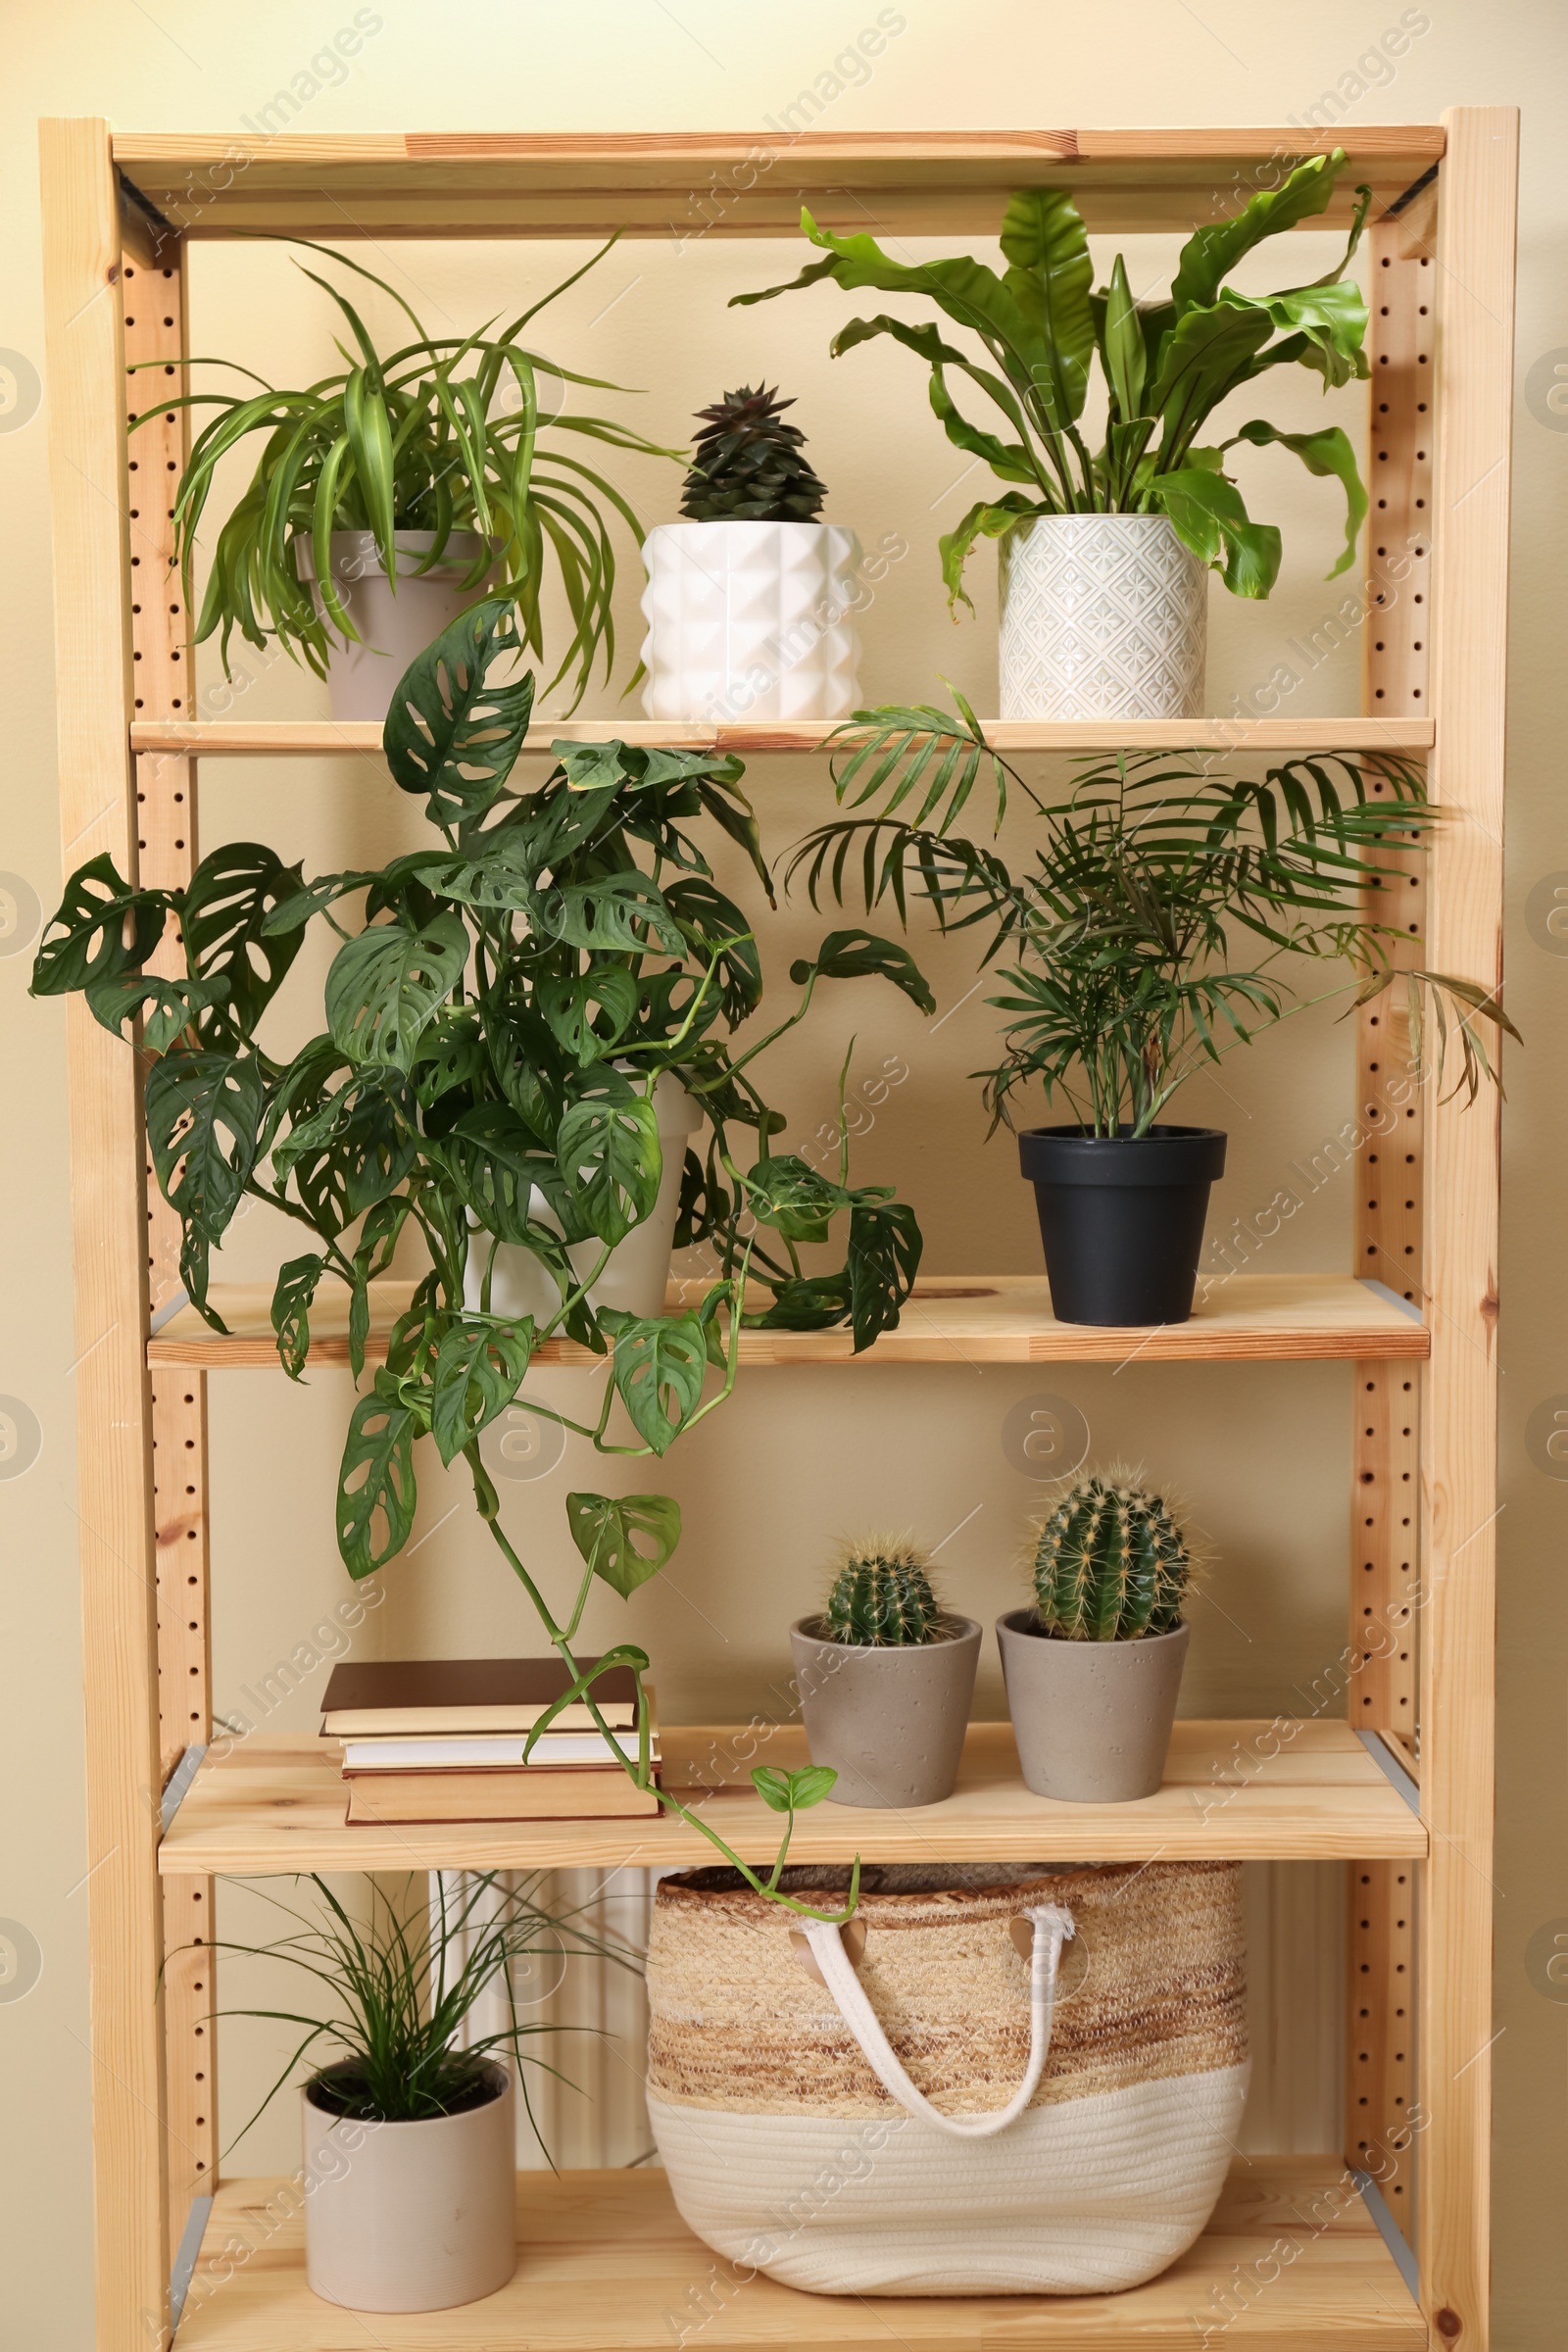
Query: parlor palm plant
(1167,916)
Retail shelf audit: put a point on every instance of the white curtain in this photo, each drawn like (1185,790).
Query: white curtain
(596,2012)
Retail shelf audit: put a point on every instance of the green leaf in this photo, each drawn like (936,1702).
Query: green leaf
(658,1368)
(882,1262)
(1210,255)
(605,994)
(92,919)
(495,1162)
(988,519)
(793,1792)
(1122,347)
(176,1006)
(1205,356)
(625,1539)
(224,918)
(616,912)
(292,1296)
(1322,452)
(385,986)
(1208,515)
(479,1367)
(1325,330)
(858,955)
(790,1195)
(451,733)
(378,1493)
(1043,237)
(608,1154)
(351,1149)
(204,1114)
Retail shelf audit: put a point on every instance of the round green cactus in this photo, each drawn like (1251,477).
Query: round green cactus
(882,1598)
(1111,1565)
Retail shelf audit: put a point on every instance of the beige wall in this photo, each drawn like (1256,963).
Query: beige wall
(798,1457)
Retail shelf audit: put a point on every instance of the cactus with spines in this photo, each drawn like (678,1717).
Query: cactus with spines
(1111,1565)
(881,1597)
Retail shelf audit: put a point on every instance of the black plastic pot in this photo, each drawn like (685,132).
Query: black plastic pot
(1122,1219)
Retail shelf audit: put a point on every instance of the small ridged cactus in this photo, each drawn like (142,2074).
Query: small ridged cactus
(1111,1565)
(882,1596)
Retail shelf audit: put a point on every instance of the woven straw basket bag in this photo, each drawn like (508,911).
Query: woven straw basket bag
(1008,2080)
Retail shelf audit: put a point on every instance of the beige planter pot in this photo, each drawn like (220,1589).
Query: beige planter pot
(396,621)
(412,2216)
(636,1273)
(890,1721)
(1103,617)
(1092,1719)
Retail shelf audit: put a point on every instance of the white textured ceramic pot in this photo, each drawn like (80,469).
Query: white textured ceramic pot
(396,619)
(1103,617)
(751,621)
(412,2216)
(636,1274)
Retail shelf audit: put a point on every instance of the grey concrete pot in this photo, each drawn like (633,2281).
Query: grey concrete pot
(412,2216)
(1092,1719)
(890,1721)
(396,621)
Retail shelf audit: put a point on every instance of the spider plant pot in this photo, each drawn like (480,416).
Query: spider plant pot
(890,1719)
(397,618)
(636,1274)
(1092,1719)
(1103,617)
(1122,1219)
(411,2215)
(751,621)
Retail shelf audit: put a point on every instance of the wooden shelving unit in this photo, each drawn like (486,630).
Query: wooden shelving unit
(604,2260)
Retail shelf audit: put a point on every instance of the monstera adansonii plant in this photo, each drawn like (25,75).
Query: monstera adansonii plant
(495,1016)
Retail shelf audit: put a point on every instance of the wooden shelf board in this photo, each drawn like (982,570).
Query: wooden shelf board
(682,184)
(230,738)
(607,2264)
(949,1319)
(1237,1790)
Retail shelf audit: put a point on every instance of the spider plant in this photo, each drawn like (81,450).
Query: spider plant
(445,433)
(399,1987)
(1167,366)
(1148,877)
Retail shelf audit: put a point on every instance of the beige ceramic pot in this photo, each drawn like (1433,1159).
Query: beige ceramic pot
(889,1721)
(1092,1719)
(396,619)
(412,2216)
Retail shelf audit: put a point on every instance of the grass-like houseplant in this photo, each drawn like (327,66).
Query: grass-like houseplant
(1094,1668)
(390,493)
(1106,550)
(750,599)
(497,1020)
(1170,914)
(408,2109)
(886,1676)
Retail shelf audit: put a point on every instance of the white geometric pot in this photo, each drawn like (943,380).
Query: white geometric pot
(396,619)
(636,1273)
(751,621)
(1103,617)
(412,2216)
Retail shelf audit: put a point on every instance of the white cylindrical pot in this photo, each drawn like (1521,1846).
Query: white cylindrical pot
(396,619)
(1103,617)
(410,2217)
(752,621)
(636,1273)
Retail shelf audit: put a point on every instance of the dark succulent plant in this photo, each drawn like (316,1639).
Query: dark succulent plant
(748,465)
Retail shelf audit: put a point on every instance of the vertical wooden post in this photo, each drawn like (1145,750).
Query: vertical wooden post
(85,349)
(153,279)
(1384,1556)
(1474,368)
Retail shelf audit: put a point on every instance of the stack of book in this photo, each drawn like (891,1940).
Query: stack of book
(443,1740)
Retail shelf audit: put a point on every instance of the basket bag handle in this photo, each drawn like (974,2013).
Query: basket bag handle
(1052,1925)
